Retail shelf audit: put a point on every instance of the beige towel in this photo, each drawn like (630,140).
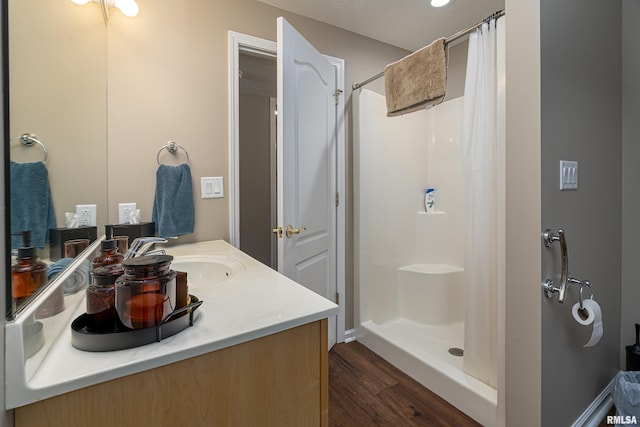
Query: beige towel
(417,80)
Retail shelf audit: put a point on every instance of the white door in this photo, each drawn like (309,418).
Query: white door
(306,154)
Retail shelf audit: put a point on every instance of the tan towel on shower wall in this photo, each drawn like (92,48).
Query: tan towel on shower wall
(417,80)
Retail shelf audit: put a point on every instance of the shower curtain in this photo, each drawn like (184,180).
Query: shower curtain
(481,126)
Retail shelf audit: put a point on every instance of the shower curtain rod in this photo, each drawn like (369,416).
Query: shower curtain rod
(448,40)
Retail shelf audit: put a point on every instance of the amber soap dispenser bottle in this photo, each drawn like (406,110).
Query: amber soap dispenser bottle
(29,273)
(108,250)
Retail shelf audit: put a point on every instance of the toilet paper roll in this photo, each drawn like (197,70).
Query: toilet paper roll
(590,313)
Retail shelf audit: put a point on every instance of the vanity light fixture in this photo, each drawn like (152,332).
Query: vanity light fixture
(127,7)
(439,3)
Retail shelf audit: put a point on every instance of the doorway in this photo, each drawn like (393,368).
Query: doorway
(244,46)
(257,156)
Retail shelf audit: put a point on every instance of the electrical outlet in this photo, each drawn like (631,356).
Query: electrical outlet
(124,212)
(86,215)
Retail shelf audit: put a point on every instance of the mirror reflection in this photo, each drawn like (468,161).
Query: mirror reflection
(57,106)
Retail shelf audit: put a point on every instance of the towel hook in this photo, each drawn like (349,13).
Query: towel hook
(29,139)
(172,147)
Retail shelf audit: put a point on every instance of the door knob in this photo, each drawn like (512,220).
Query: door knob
(290,231)
(277,231)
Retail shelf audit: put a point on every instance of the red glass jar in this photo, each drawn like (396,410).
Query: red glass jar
(146,292)
(101,294)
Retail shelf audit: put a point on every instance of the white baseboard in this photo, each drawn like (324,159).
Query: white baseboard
(349,335)
(595,413)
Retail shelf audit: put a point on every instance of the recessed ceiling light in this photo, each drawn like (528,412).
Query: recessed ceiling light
(439,3)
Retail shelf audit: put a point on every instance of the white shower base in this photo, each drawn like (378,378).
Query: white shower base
(422,352)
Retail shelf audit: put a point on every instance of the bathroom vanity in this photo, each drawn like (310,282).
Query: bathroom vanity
(256,355)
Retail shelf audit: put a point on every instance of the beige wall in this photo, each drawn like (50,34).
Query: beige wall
(519,385)
(168,80)
(58,87)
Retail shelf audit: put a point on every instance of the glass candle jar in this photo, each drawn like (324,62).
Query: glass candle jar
(146,292)
(101,294)
(73,248)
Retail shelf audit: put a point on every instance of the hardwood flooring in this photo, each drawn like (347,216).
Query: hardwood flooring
(366,390)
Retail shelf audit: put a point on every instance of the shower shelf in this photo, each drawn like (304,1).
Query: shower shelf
(431,268)
(432,213)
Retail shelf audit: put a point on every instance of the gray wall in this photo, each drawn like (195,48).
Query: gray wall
(581,106)
(255,177)
(257,85)
(630,172)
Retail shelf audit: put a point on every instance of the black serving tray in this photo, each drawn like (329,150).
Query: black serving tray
(94,332)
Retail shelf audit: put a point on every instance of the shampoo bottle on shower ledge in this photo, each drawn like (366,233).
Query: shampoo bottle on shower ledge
(430,200)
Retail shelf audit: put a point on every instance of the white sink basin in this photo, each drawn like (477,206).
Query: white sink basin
(207,270)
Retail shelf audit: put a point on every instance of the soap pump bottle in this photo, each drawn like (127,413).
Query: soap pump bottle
(28,274)
(108,250)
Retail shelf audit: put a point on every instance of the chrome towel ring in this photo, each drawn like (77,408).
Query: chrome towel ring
(172,147)
(29,139)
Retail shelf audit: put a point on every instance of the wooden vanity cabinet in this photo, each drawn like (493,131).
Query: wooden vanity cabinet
(277,380)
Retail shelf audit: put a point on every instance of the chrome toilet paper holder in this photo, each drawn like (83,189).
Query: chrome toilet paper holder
(549,237)
(582,284)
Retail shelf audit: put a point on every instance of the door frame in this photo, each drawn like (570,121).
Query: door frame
(273,162)
(239,42)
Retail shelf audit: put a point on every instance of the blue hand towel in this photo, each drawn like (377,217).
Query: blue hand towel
(173,210)
(31,203)
(77,281)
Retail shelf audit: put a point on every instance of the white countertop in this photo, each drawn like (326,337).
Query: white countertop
(254,302)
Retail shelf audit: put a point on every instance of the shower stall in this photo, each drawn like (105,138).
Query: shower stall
(428,284)
(410,264)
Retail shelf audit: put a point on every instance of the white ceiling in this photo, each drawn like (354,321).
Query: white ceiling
(410,24)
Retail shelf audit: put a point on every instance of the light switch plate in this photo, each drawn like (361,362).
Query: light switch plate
(212,187)
(568,175)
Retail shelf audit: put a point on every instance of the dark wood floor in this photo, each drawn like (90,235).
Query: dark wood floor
(365,390)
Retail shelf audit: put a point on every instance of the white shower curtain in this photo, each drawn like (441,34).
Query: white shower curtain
(480,130)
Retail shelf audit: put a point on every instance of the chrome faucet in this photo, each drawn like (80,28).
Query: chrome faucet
(141,245)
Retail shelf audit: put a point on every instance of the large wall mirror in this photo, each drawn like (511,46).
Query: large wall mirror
(57,92)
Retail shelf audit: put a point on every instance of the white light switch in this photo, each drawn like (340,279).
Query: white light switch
(568,175)
(212,187)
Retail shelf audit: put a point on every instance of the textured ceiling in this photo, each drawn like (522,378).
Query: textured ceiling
(409,24)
